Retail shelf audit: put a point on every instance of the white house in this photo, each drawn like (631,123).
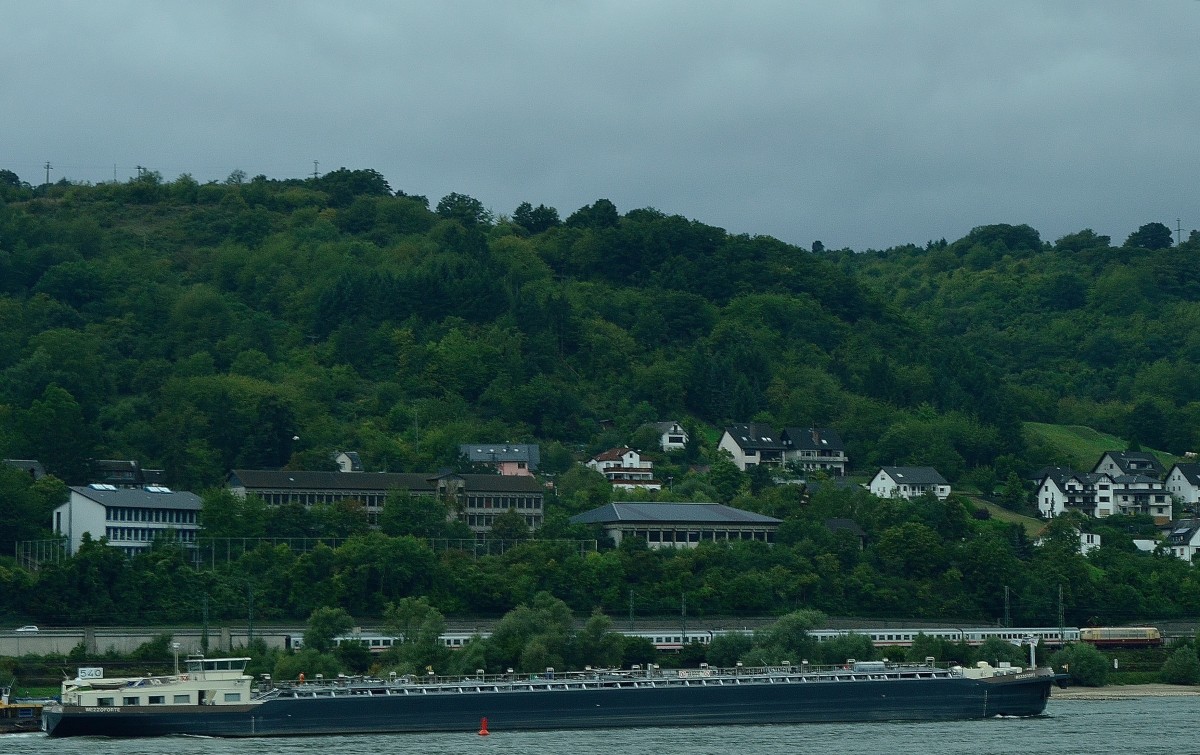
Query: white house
(348,461)
(671,435)
(815,449)
(752,444)
(909,482)
(131,518)
(625,469)
(1088,542)
(1139,494)
(1184,539)
(1064,490)
(1117,463)
(1183,483)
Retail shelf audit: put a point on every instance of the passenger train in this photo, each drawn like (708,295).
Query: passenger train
(674,640)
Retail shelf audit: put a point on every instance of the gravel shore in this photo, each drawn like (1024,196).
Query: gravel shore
(1123,692)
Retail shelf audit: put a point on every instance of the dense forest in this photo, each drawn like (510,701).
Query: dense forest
(259,323)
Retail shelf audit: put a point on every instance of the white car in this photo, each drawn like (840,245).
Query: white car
(27,628)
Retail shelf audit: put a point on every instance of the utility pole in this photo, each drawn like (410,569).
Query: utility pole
(1061,623)
(1178,232)
(204,635)
(250,622)
(631,609)
(1007,623)
(48,167)
(683,617)
(315,164)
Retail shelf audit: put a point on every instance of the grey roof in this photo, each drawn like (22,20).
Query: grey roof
(1189,470)
(1133,461)
(665,513)
(31,467)
(663,427)
(1183,531)
(272,479)
(149,497)
(492,453)
(914,475)
(812,439)
(755,436)
(845,525)
(1134,479)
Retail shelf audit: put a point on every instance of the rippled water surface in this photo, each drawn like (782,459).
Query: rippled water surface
(1131,727)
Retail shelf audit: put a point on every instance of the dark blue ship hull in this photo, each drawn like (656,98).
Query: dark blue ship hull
(551,706)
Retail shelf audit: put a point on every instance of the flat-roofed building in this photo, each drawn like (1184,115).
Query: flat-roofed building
(679,525)
(476,499)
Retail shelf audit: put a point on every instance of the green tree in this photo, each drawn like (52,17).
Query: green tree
(417,515)
(510,526)
(418,627)
(324,624)
(536,219)
(1151,236)
(1086,665)
(465,209)
(597,645)
(1181,667)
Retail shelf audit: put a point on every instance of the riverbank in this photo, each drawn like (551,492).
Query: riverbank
(1123,692)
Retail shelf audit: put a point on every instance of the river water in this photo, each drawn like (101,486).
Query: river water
(1143,726)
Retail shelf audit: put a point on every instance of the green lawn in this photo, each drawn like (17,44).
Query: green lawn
(1083,445)
(1033,526)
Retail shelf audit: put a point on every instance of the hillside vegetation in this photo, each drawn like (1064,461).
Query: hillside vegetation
(259,323)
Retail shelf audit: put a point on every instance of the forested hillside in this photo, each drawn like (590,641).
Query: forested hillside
(262,323)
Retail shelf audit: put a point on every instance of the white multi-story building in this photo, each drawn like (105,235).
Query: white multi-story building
(130,518)
(1064,490)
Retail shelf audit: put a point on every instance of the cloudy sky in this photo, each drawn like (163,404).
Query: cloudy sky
(861,124)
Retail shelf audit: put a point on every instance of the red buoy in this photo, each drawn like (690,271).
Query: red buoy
(483,732)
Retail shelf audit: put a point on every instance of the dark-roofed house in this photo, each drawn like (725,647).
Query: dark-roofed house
(31,467)
(348,461)
(1184,539)
(850,527)
(1183,482)
(671,435)
(909,482)
(124,473)
(752,444)
(512,459)
(477,498)
(1142,494)
(1063,490)
(625,469)
(131,518)
(679,525)
(815,449)
(1117,463)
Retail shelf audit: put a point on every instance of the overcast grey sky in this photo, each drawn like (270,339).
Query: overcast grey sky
(862,124)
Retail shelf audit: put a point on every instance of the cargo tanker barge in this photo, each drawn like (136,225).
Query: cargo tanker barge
(214,697)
